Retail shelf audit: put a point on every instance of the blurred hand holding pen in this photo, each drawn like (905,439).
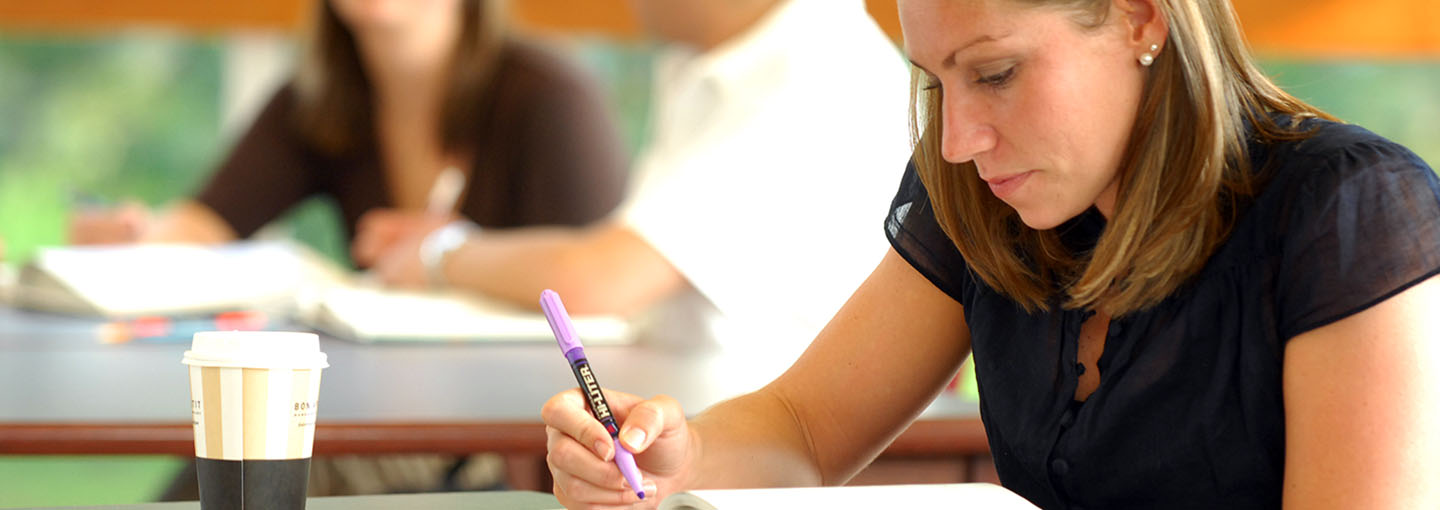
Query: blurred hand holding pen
(178,329)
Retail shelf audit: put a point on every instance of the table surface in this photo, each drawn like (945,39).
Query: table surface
(63,391)
(500,500)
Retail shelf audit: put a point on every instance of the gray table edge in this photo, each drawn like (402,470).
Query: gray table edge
(494,500)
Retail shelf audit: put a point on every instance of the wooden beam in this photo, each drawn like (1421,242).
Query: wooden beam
(612,18)
(887,15)
(1328,28)
(197,15)
(1342,28)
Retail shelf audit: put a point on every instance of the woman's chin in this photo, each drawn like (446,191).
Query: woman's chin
(1043,218)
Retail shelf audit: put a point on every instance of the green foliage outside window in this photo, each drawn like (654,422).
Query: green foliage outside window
(135,116)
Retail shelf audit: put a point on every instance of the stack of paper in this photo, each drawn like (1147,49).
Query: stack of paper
(132,281)
(281,277)
(374,314)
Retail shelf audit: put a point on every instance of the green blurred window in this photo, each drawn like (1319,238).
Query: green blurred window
(136,115)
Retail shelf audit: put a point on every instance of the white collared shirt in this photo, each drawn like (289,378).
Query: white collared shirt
(771,166)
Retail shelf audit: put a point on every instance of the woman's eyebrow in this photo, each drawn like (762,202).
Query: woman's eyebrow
(949,61)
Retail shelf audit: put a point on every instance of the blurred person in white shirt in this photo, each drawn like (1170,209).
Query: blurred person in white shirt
(753,101)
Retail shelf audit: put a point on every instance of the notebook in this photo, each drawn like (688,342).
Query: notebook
(370,314)
(164,279)
(281,277)
(962,495)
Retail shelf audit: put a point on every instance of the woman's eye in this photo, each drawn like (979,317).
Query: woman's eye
(997,80)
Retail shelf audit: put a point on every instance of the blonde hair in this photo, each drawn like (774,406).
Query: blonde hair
(1182,178)
(333,94)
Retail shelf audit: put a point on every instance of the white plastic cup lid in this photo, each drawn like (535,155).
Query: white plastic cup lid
(256,349)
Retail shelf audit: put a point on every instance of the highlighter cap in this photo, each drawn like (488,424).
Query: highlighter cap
(559,321)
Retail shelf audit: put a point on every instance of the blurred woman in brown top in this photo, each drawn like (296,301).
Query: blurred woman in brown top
(387,95)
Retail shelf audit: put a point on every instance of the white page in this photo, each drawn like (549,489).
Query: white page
(278,276)
(162,279)
(373,314)
(966,495)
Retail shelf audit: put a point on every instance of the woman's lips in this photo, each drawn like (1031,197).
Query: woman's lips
(1007,186)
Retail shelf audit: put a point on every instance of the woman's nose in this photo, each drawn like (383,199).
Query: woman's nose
(967,131)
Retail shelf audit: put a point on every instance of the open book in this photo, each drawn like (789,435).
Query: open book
(276,276)
(139,280)
(368,313)
(961,495)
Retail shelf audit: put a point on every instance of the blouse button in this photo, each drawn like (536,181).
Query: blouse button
(1059,467)
(1079,369)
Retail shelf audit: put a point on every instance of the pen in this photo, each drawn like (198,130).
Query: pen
(575,353)
(445,192)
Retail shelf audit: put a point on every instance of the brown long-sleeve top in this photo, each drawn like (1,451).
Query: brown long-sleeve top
(546,152)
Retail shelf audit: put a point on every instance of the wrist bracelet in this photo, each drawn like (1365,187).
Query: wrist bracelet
(439,244)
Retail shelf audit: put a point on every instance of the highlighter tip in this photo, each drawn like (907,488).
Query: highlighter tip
(641,494)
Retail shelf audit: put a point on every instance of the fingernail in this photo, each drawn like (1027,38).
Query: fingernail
(602,448)
(634,437)
(650,487)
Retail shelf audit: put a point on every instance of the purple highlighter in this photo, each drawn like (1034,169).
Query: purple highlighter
(575,353)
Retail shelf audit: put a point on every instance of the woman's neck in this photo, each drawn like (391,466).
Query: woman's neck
(409,72)
(408,66)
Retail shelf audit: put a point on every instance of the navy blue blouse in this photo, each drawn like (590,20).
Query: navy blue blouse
(1189,411)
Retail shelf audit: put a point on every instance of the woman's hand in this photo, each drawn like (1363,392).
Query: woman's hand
(581,453)
(388,242)
(118,225)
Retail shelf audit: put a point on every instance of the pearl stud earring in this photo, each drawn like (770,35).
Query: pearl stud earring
(1149,57)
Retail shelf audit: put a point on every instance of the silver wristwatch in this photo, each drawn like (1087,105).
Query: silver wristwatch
(438,245)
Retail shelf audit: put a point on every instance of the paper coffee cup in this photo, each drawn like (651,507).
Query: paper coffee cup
(254,396)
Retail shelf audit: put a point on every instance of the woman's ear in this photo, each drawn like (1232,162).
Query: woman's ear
(1145,23)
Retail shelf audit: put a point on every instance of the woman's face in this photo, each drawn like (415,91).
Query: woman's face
(396,15)
(1042,104)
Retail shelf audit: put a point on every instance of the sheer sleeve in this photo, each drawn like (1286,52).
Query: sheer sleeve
(1364,225)
(915,235)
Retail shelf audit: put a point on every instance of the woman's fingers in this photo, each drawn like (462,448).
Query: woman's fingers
(648,420)
(580,451)
(375,230)
(582,476)
(580,490)
(565,454)
(566,412)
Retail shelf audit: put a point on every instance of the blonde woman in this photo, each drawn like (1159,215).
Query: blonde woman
(1182,287)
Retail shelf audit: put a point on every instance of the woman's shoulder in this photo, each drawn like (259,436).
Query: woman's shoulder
(1335,163)
(536,66)
(1332,150)
(281,105)
(277,118)
(1349,218)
